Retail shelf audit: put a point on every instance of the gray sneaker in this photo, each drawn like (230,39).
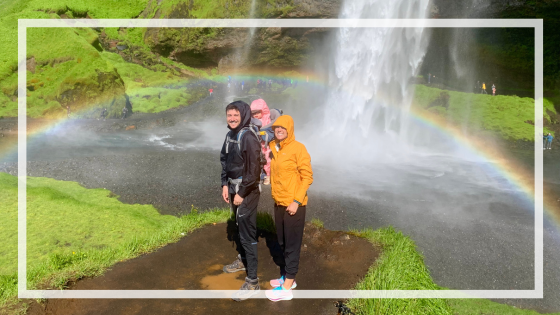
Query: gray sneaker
(235,266)
(248,289)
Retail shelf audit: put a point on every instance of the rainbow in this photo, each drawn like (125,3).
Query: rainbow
(508,169)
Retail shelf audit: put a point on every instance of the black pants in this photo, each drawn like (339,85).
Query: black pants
(246,235)
(289,229)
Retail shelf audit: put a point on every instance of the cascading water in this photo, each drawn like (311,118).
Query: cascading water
(363,129)
(369,80)
(241,54)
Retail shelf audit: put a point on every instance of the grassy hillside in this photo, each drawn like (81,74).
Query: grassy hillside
(69,66)
(510,117)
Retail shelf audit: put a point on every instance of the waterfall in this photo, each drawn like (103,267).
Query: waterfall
(238,59)
(369,77)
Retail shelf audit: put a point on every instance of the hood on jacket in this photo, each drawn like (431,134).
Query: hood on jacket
(260,104)
(245,113)
(274,114)
(286,122)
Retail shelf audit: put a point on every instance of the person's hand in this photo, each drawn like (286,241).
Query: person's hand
(225,193)
(237,200)
(292,208)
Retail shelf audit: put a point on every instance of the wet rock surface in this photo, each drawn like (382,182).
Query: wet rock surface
(330,260)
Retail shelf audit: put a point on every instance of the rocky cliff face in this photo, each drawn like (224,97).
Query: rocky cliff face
(285,49)
(273,48)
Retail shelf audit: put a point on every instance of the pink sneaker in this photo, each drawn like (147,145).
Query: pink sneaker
(279,294)
(275,283)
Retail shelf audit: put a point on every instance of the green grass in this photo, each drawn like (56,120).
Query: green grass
(148,90)
(74,232)
(318,223)
(486,307)
(507,116)
(65,60)
(400,267)
(265,222)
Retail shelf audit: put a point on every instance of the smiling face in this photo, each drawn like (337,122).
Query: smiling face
(280,133)
(233,118)
(257,114)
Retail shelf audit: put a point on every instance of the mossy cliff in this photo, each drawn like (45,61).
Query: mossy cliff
(92,69)
(271,48)
(89,69)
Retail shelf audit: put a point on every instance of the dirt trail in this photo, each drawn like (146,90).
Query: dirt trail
(329,260)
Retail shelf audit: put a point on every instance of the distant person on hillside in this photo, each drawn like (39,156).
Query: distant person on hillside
(242,84)
(493,89)
(210,90)
(484,88)
(549,138)
(124,112)
(241,168)
(104,113)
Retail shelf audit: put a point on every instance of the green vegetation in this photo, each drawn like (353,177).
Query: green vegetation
(68,65)
(265,222)
(318,223)
(74,232)
(510,117)
(400,267)
(486,307)
(150,91)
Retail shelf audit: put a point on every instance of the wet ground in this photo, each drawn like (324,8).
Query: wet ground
(474,228)
(329,260)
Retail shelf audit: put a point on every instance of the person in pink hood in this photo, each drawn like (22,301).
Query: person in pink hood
(260,111)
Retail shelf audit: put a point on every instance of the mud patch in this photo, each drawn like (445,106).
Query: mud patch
(219,280)
(330,260)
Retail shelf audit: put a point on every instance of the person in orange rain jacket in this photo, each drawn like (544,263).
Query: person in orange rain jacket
(291,175)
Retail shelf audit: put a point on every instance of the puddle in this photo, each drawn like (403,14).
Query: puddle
(227,281)
(223,281)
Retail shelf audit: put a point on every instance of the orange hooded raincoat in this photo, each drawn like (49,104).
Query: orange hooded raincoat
(291,173)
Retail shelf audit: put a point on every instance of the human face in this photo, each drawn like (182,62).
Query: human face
(233,118)
(280,133)
(257,115)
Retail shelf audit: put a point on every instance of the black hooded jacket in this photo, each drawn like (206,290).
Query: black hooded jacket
(248,167)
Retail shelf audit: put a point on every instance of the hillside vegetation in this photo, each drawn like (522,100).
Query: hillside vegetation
(510,117)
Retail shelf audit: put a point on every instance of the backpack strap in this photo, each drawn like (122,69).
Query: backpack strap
(239,137)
